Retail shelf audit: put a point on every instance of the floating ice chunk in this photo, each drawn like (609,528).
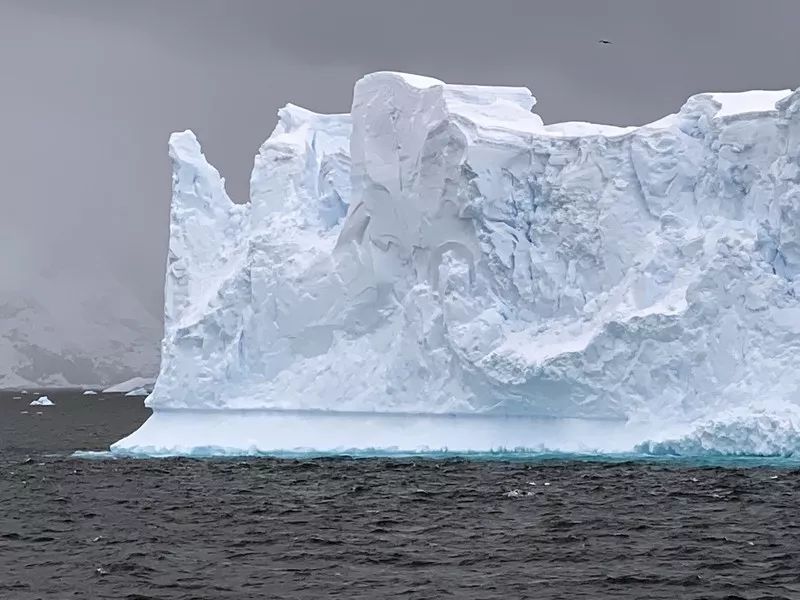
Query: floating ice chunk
(90,393)
(138,392)
(42,401)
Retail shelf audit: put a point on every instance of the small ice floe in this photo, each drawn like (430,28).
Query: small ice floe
(774,477)
(17,397)
(135,383)
(90,393)
(93,454)
(138,392)
(517,494)
(42,401)
(23,412)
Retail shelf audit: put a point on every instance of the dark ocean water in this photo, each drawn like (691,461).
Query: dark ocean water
(375,528)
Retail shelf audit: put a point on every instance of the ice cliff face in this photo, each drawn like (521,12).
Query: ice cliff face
(440,250)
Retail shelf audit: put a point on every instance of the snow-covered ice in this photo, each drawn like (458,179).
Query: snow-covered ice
(439,269)
(42,401)
(138,392)
(135,383)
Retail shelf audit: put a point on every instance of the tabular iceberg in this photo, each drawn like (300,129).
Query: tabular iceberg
(441,270)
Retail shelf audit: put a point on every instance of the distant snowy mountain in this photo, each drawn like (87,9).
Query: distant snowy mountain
(63,330)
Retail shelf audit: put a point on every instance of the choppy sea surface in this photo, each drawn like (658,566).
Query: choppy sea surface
(389,527)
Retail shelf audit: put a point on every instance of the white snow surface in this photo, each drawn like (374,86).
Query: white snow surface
(440,251)
(42,401)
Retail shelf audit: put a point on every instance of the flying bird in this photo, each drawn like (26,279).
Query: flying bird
(603,42)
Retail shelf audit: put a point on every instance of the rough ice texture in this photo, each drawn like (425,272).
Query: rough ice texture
(441,251)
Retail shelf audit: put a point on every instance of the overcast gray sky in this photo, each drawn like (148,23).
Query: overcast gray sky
(91,90)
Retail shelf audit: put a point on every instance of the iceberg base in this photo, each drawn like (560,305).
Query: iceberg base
(269,432)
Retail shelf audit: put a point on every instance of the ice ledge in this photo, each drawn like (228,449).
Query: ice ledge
(263,432)
(270,432)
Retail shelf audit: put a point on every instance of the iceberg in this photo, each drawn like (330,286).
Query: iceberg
(42,401)
(137,392)
(138,384)
(440,270)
